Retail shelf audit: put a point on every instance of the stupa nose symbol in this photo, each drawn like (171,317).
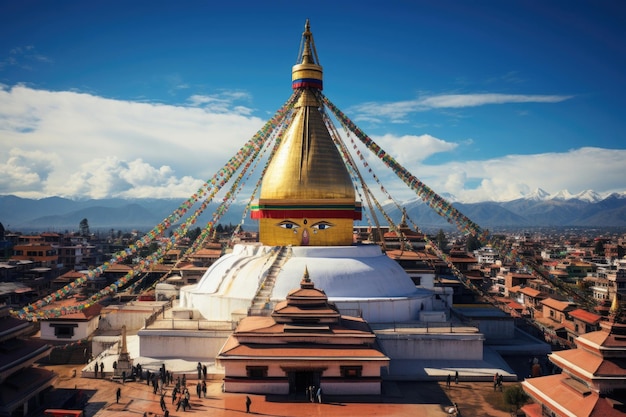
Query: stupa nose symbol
(305,238)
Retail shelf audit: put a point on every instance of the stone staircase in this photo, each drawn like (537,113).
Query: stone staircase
(261,305)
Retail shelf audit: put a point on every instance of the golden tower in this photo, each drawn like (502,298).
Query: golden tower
(307,196)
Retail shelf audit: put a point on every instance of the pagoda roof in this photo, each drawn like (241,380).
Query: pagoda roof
(603,339)
(309,351)
(561,393)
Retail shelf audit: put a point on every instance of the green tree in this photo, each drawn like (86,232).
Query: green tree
(193,234)
(599,248)
(441,240)
(472,243)
(515,396)
(83,227)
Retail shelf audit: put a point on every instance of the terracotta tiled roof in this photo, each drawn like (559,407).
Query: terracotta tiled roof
(556,304)
(85,314)
(580,357)
(303,351)
(531,292)
(532,410)
(552,390)
(594,338)
(585,316)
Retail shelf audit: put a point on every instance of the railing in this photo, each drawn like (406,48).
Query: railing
(182,324)
(152,318)
(425,327)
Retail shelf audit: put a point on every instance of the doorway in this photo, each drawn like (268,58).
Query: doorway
(300,380)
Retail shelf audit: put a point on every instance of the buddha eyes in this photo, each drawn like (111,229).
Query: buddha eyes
(286,224)
(289,225)
(322,226)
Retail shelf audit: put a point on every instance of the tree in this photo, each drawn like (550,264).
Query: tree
(472,243)
(515,396)
(599,248)
(83,227)
(441,240)
(193,234)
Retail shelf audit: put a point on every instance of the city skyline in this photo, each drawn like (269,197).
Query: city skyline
(481,101)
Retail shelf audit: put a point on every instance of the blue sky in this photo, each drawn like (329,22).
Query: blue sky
(482,100)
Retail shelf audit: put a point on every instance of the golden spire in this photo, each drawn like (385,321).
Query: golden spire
(614,305)
(307,72)
(307,196)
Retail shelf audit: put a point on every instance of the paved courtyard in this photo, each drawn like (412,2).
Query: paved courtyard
(424,399)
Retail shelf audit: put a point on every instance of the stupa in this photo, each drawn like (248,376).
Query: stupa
(306,210)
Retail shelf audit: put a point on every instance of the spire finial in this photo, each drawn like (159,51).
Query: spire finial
(307,73)
(306,282)
(614,305)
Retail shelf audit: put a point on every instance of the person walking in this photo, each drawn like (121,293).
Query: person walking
(118,395)
(163,406)
(101,369)
(199,389)
(204,388)
(456,377)
(248,403)
(199,368)
(319,395)
(448,379)
(174,392)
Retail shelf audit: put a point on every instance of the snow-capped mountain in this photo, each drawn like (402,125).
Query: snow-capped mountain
(538,194)
(537,209)
(587,195)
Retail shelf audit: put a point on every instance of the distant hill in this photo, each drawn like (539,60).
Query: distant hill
(536,210)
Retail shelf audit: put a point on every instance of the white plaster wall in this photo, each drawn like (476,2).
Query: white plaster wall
(385,310)
(275,369)
(432,346)
(196,345)
(255,387)
(84,329)
(497,329)
(351,387)
(134,320)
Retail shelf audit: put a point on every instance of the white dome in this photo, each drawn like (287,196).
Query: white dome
(360,274)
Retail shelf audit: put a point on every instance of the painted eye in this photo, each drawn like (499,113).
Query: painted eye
(288,225)
(322,226)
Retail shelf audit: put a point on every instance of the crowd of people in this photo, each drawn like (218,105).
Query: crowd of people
(161,380)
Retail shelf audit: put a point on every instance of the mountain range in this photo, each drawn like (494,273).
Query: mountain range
(538,209)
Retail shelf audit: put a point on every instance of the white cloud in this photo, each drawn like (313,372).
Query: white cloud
(512,176)
(411,149)
(76,144)
(398,111)
(80,145)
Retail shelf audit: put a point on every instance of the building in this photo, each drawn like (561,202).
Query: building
(71,327)
(306,210)
(306,342)
(592,381)
(22,387)
(580,322)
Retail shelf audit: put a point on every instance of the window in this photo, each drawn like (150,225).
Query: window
(351,371)
(256,371)
(64,331)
